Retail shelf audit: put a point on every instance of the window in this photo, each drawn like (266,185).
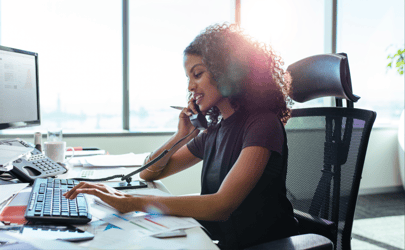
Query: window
(79,46)
(295,29)
(368,31)
(159,32)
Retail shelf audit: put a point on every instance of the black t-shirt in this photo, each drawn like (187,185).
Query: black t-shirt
(266,213)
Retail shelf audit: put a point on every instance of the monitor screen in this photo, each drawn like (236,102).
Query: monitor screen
(19,90)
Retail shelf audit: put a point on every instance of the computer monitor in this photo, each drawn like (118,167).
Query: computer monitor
(19,90)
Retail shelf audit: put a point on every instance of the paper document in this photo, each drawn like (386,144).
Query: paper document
(8,190)
(123,160)
(100,202)
(42,244)
(123,239)
(148,224)
(95,173)
(9,154)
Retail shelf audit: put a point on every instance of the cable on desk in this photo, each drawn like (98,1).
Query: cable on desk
(5,176)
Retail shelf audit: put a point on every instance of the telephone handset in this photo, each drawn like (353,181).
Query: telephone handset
(32,166)
(198,120)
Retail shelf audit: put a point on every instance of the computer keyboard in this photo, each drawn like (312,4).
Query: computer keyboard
(47,203)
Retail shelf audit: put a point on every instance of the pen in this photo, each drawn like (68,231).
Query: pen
(82,149)
(177,107)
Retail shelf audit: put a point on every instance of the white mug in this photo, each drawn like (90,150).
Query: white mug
(56,150)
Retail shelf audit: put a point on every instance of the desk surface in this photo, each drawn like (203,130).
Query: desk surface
(107,239)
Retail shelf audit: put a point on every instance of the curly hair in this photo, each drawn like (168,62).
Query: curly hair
(246,71)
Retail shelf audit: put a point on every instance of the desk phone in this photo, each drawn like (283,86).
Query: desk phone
(34,165)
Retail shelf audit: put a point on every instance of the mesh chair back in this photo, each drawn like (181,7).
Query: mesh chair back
(327,148)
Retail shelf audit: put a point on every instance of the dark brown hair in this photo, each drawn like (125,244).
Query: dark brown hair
(249,73)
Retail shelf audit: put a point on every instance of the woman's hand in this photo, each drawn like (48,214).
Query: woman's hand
(110,195)
(185,126)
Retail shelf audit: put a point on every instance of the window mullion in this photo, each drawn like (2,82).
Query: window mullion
(125,65)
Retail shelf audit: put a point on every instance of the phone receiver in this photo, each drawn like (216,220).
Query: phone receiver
(198,120)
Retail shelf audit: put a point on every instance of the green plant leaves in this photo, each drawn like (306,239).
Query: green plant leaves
(398,59)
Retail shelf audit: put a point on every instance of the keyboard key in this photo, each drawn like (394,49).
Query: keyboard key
(41,198)
(82,214)
(81,202)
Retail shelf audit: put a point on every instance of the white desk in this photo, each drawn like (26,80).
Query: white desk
(196,237)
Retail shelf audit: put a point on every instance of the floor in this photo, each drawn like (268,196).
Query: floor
(379,222)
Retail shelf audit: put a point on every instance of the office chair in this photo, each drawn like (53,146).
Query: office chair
(327,148)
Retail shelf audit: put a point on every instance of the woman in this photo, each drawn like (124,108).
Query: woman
(239,84)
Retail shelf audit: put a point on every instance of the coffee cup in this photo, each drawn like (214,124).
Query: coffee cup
(56,150)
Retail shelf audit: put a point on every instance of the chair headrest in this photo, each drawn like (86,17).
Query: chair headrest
(321,76)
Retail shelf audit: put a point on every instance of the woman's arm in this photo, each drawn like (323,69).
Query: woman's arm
(176,160)
(236,186)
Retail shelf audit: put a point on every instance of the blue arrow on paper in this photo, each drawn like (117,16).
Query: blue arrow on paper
(110,226)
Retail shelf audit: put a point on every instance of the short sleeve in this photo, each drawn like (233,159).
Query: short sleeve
(265,130)
(196,145)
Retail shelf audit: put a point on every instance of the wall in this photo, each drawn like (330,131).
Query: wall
(381,168)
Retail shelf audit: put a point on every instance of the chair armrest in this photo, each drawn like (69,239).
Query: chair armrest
(308,224)
(297,242)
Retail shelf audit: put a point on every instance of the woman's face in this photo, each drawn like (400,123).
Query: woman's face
(201,84)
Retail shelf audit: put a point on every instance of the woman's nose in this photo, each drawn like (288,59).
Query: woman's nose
(191,85)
